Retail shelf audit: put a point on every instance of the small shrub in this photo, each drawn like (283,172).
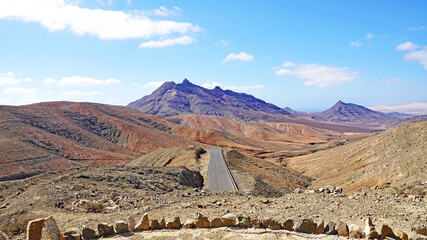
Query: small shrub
(237,192)
(16,224)
(94,207)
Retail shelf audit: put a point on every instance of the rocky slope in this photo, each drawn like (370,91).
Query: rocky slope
(173,99)
(396,158)
(354,114)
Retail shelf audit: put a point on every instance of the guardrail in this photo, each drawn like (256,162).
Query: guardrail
(235,186)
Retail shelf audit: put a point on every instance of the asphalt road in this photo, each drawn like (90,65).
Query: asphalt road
(219,178)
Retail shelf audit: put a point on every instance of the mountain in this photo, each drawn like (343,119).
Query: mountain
(59,135)
(173,99)
(397,157)
(353,114)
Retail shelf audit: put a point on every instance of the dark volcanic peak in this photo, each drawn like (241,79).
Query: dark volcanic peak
(187,98)
(352,113)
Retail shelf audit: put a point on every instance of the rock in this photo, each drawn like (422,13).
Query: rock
(402,235)
(355,231)
(143,224)
(342,229)
(229,220)
(52,228)
(72,234)
(330,229)
(265,222)
(88,233)
(419,229)
(131,223)
(305,226)
(288,225)
(154,224)
(176,224)
(298,190)
(201,221)
(244,222)
(386,231)
(320,229)
(34,229)
(274,225)
(121,227)
(188,224)
(256,223)
(216,222)
(162,224)
(320,190)
(370,232)
(3,236)
(190,178)
(105,230)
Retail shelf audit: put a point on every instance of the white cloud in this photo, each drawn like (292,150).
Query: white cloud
(416,108)
(58,15)
(370,35)
(20,91)
(288,64)
(319,75)
(152,85)
(184,40)
(164,11)
(79,93)
(222,43)
(49,81)
(389,80)
(416,28)
(234,88)
(240,56)
(418,56)
(10,78)
(355,44)
(84,81)
(407,46)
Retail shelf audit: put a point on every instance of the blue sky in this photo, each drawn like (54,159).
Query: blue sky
(303,54)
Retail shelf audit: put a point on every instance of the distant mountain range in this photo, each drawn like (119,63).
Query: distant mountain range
(173,99)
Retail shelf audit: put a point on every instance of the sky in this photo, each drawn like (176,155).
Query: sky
(306,55)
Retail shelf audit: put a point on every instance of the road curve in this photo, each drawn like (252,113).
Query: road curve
(219,176)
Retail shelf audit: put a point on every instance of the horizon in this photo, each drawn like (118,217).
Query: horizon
(306,56)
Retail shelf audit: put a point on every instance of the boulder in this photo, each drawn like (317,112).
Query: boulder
(105,230)
(306,226)
(121,227)
(143,224)
(190,178)
(355,231)
(176,224)
(72,234)
(420,229)
(320,229)
(34,229)
(330,229)
(3,236)
(201,221)
(131,223)
(88,233)
(274,225)
(216,222)
(52,228)
(386,231)
(288,225)
(370,232)
(244,221)
(188,224)
(256,223)
(265,222)
(154,224)
(162,224)
(229,220)
(342,229)
(402,235)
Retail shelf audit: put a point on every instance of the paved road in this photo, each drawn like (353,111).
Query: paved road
(219,178)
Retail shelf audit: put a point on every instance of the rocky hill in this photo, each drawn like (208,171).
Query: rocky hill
(173,99)
(396,158)
(354,114)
